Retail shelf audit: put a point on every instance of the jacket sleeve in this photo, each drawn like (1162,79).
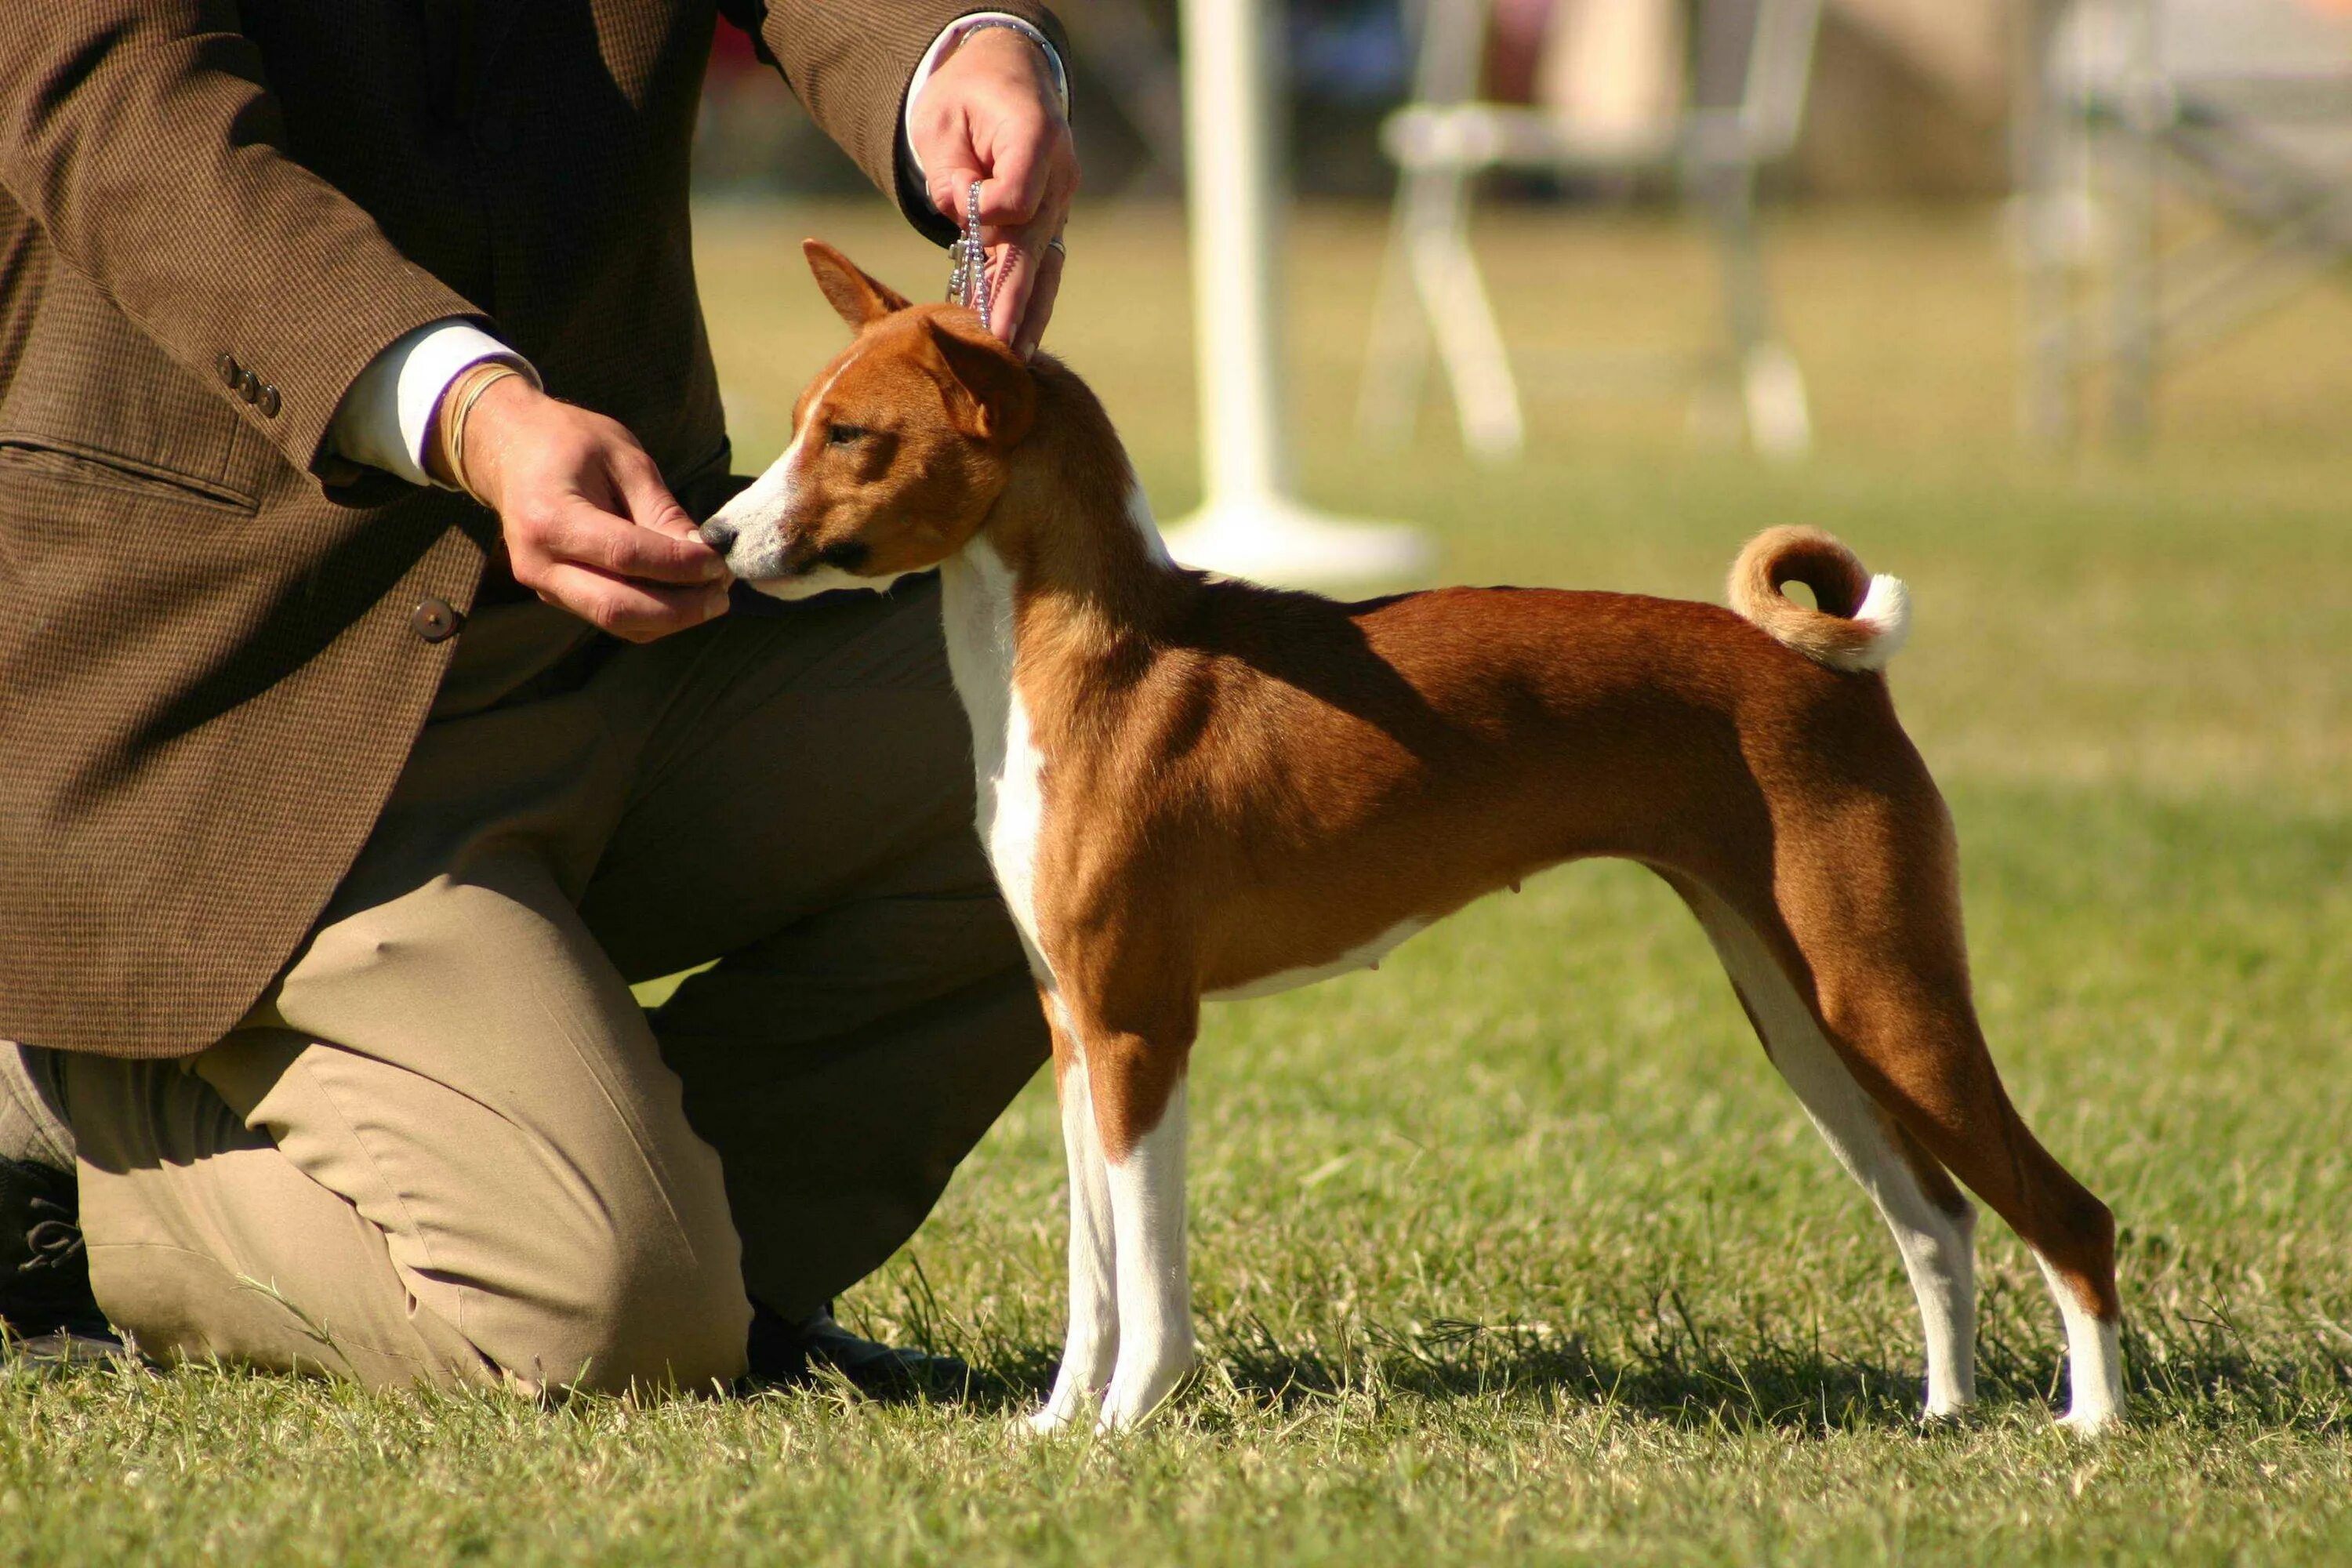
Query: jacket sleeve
(850,65)
(141,137)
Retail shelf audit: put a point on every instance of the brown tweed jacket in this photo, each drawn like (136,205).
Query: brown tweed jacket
(217,640)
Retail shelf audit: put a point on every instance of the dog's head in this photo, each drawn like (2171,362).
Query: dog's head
(899,446)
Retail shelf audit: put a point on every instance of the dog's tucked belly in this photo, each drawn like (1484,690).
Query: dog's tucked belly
(1367,956)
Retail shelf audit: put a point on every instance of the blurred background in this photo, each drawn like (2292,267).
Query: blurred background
(2100,221)
(2042,304)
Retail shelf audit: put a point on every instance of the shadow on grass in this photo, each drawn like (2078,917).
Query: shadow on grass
(1451,1362)
(2198,1369)
(1686,1379)
(2192,1363)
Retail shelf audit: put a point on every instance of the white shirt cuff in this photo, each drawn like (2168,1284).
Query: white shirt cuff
(387,416)
(955,33)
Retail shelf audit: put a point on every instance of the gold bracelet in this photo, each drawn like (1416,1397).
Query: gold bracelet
(437,463)
(460,400)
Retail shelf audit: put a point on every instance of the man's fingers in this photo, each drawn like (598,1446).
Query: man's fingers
(1027,272)
(636,612)
(1015,185)
(579,532)
(1011,284)
(648,500)
(1039,307)
(567,475)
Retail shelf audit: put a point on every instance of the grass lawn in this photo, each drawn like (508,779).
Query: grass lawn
(1517,1251)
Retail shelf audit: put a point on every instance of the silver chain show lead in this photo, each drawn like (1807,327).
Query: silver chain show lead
(967,283)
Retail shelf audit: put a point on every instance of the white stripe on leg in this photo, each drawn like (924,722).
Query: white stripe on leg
(1939,1247)
(1155,1293)
(1091,1348)
(2095,1360)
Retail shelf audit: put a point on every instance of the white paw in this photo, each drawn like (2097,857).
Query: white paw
(1066,1407)
(1135,1399)
(1046,1421)
(1123,1417)
(2098,1421)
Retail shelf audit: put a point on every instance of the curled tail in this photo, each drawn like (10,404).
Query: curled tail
(1862,619)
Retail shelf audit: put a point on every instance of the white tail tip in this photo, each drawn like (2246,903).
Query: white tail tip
(1886,612)
(1861,620)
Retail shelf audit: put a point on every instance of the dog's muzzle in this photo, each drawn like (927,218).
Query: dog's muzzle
(718,533)
(766,558)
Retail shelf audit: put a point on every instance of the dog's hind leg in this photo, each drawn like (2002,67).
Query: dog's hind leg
(1859,914)
(1933,1222)
(1091,1348)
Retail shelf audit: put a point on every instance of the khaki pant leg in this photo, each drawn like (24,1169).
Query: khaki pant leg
(461,1150)
(449,1139)
(806,809)
(844,1068)
(205,1241)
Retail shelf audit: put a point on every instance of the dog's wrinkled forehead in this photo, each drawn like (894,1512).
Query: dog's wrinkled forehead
(886,377)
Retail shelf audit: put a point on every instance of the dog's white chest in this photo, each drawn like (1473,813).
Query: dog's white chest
(1012,819)
(1008,770)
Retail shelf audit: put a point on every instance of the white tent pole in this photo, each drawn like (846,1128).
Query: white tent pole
(1248,523)
(1227,111)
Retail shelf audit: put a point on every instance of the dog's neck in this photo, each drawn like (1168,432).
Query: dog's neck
(1072,538)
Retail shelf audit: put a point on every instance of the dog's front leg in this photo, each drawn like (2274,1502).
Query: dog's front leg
(1092,1345)
(1140,1106)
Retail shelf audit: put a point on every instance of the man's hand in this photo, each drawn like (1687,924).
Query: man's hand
(990,113)
(589,525)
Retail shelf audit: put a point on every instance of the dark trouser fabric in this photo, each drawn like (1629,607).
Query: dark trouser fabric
(449,1146)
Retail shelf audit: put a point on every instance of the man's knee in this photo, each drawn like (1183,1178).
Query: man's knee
(628,1315)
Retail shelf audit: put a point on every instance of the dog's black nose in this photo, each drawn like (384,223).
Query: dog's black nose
(718,534)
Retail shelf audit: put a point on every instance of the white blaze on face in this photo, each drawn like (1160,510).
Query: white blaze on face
(762,517)
(756,553)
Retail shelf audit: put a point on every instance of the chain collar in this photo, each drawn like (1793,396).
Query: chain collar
(967,283)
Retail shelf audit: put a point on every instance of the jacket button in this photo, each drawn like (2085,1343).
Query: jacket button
(229,369)
(248,386)
(268,402)
(434,620)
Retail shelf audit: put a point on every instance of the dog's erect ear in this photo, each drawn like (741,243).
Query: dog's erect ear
(989,393)
(858,297)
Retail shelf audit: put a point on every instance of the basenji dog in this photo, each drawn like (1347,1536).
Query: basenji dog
(1195,788)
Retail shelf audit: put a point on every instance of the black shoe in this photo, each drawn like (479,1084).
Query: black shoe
(64,1348)
(44,1298)
(792,1352)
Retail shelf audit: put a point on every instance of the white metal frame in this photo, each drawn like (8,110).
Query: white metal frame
(1250,524)
(2105,122)
(1431,294)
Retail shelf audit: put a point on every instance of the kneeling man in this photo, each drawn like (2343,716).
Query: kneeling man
(372,718)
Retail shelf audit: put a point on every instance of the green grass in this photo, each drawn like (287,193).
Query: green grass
(1517,1251)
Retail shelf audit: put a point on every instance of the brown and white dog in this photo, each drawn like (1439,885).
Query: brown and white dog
(1196,788)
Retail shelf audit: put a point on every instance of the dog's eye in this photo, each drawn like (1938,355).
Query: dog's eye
(844,435)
